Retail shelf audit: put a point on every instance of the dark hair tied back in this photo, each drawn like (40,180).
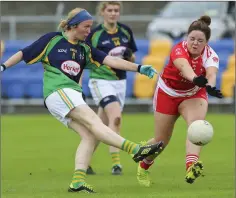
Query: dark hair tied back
(202,24)
(206,19)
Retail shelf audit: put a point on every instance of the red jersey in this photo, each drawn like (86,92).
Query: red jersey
(173,83)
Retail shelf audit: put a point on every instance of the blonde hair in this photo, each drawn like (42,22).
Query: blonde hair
(64,22)
(102,6)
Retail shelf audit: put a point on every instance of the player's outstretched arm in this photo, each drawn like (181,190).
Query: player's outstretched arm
(187,72)
(13,60)
(121,64)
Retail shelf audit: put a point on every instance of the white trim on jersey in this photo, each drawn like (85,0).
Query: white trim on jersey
(210,58)
(177,93)
(155,99)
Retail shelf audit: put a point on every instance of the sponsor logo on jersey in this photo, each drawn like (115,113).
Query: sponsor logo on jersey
(106,42)
(116,41)
(178,51)
(71,67)
(125,40)
(117,51)
(74,51)
(81,56)
(62,50)
(215,59)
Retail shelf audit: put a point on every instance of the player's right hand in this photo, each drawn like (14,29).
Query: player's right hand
(200,81)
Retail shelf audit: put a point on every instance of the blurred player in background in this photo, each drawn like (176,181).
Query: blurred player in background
(64,56)
(108,85)
(182,90)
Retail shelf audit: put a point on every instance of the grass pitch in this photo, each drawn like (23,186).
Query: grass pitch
(38,161)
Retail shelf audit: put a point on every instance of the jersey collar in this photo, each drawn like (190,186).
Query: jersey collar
(70,41)
(110,32)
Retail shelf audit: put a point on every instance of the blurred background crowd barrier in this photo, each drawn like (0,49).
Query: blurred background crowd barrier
(157,26)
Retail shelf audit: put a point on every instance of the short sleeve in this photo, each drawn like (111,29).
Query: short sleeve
(177,52)
(212,61)
(132,43)
(34,52)
(94,57)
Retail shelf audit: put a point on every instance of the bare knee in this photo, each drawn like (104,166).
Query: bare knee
(114,123)
(117,121)
(193,109)
(91,121)
(92,124)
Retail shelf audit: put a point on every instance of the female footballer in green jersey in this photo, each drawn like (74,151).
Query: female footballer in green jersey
(64,55)
(107,84)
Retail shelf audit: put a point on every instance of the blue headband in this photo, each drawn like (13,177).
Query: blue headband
(80,17)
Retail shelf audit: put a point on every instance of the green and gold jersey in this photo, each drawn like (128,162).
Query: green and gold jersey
(63,60)
(112,44)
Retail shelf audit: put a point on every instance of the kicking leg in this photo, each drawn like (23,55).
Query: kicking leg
(86,116)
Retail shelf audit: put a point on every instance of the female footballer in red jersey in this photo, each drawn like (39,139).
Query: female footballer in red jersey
(182,90)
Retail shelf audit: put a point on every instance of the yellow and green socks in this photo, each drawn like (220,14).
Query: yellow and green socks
(130,147)
(78,178)
(115,156)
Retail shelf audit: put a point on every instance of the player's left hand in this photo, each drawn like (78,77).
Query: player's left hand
(212,91)
(147,70)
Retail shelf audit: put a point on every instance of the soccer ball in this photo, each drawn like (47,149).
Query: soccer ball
(200,132)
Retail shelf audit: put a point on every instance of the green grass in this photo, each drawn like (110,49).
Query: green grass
(38,161)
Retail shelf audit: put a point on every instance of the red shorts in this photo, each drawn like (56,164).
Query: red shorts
(166,104)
